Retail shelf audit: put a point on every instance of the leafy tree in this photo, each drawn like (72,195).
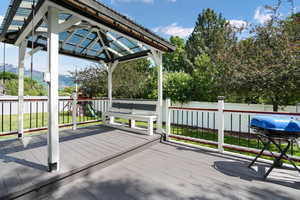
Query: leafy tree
(130,79)
(204,79)
(8,76)
(265,67)
(177,86)
(66,91)
(175,61)
(94,78)
(211,37)
(211,34)
(31,87)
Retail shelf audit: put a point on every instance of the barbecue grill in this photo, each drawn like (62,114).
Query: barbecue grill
(272,130)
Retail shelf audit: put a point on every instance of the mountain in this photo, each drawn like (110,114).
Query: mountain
(64,80)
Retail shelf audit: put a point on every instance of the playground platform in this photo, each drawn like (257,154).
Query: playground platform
(24,169)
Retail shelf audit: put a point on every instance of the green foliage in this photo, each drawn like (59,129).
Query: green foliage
(8,76)
(31,87)
(265,67)
(66,91)
(130,80)
(93,78)
(175,62)
(177,86)
(204,79)
(211,35)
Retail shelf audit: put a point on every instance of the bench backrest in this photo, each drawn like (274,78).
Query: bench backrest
(144,108)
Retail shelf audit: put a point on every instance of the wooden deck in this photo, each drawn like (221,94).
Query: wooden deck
(24,169)
(169,171)
(160,171)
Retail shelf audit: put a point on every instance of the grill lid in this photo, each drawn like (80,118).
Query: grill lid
(276,124)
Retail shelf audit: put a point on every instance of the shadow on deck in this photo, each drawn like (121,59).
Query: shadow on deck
(23,166)
(171,171)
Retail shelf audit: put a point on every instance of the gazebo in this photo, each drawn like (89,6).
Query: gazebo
(84,29)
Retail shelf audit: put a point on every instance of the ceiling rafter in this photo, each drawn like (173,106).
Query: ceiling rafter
(119,43)
(68,23)
(68,38)
(114,51)
(103,45)
(91,44)
(83,39)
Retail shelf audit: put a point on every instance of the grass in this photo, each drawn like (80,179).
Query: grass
(213,136)
(228,139)
(36,120)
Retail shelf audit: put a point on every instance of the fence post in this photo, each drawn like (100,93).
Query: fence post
(74,111)
(168,117)
(221,123)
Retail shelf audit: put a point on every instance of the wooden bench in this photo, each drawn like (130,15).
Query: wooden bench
(132,111)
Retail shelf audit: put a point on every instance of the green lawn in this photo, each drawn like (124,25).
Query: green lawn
(212,136)
(36,120)
(234,140)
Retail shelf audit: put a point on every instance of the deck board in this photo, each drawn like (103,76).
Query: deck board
(22,167)
(168,171)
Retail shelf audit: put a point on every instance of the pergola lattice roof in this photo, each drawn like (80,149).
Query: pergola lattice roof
(91,30)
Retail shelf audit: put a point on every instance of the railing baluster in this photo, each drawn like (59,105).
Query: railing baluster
(240,129)
(208,120)
(197,124)
(173,121)
(214,127)
(37,114)
(231,123)
(30,114)
(192,123)
(177,123)
(249,131)
(182,123)
(202,124)
(43,112)
(2,116)
(187,123)
(10,116)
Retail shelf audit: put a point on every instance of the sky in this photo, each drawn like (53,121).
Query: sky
(164,17)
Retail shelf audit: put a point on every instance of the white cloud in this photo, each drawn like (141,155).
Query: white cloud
(261,15)
(174,30)
(238,24)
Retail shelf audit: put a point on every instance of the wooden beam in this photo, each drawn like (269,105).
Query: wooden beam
(10,16)
(32,21)
(68,23)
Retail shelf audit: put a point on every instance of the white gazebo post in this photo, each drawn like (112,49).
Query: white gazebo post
(53,51)
(221,123)
(157,58)
(22,53)
(110,69)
